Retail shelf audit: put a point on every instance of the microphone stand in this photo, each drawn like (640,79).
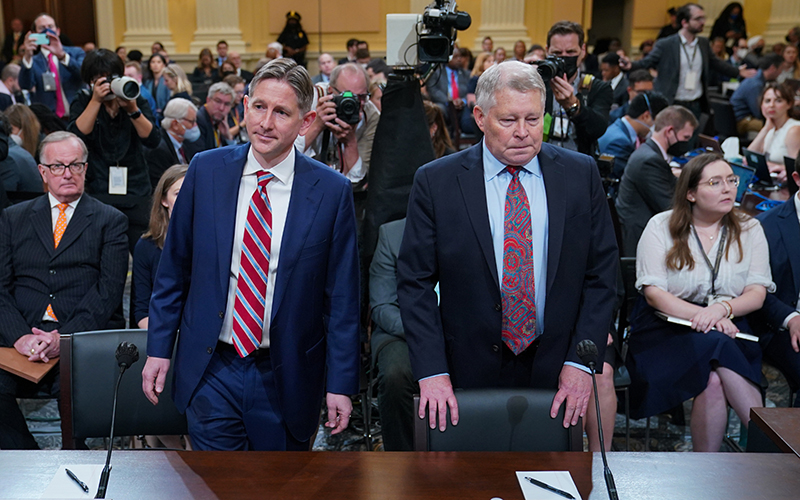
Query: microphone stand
(101,488)
(612,488)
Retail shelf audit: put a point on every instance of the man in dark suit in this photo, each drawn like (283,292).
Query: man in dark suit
(501,228)
(236,59)
(578,103)
(648,183)
(262,310)
(13,41)
(396,384)
(448,84)
(625,135)
(778,322)
(611,72)
(54,89)
(63,260)
(326,65)
(212,118)
(684,62)
(179,126)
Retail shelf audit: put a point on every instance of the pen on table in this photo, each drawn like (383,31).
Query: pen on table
(550,488)
(77,481)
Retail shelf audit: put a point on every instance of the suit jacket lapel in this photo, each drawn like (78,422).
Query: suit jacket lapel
(555,187)
(790,231)
(227,176)
(303,206)
(42,223)
(81,219)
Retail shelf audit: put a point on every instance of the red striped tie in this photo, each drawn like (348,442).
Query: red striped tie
(251,287)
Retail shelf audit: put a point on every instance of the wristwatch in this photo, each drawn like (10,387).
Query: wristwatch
(573,110)
(136,114)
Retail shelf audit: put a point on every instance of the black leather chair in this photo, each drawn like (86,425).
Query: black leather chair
(724,119)
(500,420)
(88,375)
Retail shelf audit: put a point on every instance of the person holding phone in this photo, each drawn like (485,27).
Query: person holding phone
(49,67)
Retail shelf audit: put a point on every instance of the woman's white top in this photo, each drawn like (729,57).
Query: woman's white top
(775,141)
(695,285)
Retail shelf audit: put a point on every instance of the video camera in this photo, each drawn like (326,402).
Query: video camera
(440,21)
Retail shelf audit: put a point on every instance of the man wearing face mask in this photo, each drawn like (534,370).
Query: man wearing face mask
(684,62)
(578,104)
(626,134)
(179,126)
(648,183)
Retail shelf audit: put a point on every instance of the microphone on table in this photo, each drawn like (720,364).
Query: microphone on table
(587,351)
(127,355)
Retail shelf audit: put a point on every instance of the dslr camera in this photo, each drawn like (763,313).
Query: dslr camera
(123,86)
(551,66)
(348,107)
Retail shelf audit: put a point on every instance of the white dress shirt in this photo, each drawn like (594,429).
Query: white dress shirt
(279,191)
(691,61)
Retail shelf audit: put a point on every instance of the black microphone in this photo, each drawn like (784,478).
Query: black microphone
(587,351)
(127,355)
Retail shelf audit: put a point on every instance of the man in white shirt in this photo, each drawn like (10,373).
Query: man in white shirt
(778,322)
(49,67)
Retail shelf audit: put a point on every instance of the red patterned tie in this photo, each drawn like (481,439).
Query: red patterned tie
(518,290)
(60,110)
(454,86)
(251,287)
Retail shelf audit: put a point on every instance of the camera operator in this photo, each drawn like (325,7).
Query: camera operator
(578,104)
(115,130)
(347,147)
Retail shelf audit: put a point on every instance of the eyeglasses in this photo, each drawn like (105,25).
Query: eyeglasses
(716,182)
(58,169)
(361,97)
(220,102)
(190,122)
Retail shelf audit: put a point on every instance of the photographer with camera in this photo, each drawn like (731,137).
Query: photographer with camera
(344,129)
(49,67)
(116,123)
(577,104)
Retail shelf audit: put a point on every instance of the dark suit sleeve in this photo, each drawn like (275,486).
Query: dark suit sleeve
(592,121)
(152,140)
(26,78)
(342,300)
(102,299)
(656,185)
(437,90)
(12,323)
(418,274)
(652,59)
(722,67)
(599,294)
(383,287)
(775,311)
(76,55)
(142,277)
(174,273)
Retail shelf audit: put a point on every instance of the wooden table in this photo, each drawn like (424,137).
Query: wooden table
(378,475)
(780,425)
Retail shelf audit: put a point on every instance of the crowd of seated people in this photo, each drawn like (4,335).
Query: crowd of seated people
(133,155)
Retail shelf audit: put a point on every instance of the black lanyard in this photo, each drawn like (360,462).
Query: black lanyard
(715,268)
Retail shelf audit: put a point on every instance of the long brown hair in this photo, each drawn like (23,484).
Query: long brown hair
(441,138)
(159,214)
(21,116)
(680,223)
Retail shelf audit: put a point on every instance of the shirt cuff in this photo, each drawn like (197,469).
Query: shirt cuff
(65,62)
(437,375)
(790,317)
(578,366)
(27,63)
(356,173)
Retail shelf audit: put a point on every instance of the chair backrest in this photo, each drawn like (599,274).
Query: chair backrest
(88,375)
(724,119)
(500,420)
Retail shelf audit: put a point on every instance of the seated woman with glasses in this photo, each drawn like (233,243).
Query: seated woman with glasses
(706,264)
(116,131)
(780,135)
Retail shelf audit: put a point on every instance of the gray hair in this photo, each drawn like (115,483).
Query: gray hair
(514,75)
(176,109)
(287,70)
(352,68)
(10,70)
(221,88)
(61,136)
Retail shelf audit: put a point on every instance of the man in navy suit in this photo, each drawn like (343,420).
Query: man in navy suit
(53,280)
(54,89)
(461,235)
(778,322)
(266,395)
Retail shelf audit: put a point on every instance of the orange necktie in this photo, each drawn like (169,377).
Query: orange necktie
(61,226)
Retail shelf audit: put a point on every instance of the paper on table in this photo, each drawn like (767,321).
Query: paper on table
(63,487)
(557,479)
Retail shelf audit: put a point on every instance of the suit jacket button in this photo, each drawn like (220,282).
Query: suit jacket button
(498,307)
(52,296)
(221,315)
(496,348)
(52,271)
(210,350)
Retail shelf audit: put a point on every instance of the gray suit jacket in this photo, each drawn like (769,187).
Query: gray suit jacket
(646,189)
(666,59)
(383,287)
